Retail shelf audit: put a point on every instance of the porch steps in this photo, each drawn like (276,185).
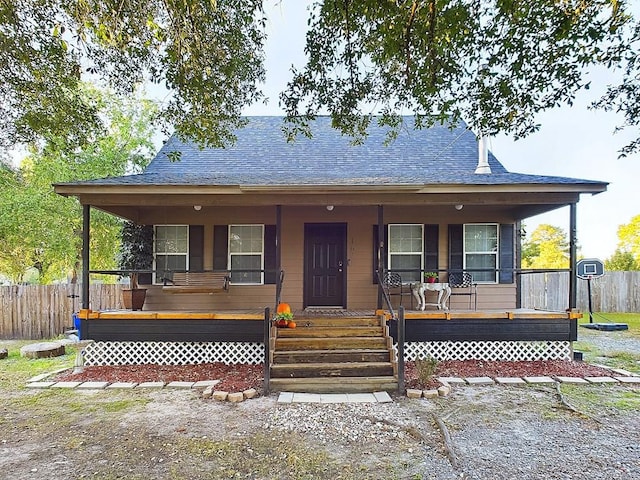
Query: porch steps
(333,355)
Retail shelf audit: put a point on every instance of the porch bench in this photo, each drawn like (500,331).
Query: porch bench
(197,282)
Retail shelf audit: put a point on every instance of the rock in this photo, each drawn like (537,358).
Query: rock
(430,394)
(414,393)
(251,393)
(207,392)
(235,397)
(220,395)
(4,353)
(42,350)
(444,390)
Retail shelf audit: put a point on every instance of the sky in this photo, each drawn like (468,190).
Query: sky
(572,141)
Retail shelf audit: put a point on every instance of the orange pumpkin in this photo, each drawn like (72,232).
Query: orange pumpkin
(291,324)
(283,308)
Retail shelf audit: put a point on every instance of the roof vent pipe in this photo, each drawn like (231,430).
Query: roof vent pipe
(483,156)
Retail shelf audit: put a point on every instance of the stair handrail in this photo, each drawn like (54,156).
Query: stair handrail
(279,283)
(385,296)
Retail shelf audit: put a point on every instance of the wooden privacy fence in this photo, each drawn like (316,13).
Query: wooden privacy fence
(45,311)
(614,292)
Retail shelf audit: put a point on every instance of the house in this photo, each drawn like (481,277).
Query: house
(313,222)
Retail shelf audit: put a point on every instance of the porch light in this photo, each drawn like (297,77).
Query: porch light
(459,207)
(330,207)
(197,208)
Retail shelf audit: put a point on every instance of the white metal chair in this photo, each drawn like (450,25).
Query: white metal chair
(462,283)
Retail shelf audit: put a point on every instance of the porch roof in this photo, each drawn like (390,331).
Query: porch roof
(437,156)
(431,166)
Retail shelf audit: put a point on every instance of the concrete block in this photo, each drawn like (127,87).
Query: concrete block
(93,385)
(65,384)
(123,385)
(600,380)
(285,397)
(479,380)
(571,380)
(206,383)
(382,397)
(542,379)
(180,384)
(151,385)
(510,381)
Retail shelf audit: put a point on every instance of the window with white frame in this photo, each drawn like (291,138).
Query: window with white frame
(246,253)
(406,250)
(481,251)
(171,247)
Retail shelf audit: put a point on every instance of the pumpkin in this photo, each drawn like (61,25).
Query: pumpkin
(283,308)
(291,324)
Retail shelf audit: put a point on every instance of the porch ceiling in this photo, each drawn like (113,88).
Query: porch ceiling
(517,203)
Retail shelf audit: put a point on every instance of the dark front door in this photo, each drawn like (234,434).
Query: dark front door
(325,265)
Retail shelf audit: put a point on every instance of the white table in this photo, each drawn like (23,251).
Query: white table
(419,289)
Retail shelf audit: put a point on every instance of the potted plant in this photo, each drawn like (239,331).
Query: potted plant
(136,253)
(431,277)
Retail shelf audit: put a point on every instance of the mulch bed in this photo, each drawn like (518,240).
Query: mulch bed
(236,378)
(493,369)
(233,378)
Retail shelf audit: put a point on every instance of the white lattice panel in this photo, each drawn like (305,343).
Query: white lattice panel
(172,353)
(506,351)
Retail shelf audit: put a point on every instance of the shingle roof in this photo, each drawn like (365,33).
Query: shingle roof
(262,156)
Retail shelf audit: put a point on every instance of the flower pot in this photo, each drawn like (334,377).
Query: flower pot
(133,299)
(431,280)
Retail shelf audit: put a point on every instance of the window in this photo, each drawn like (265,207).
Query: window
(481,251)
(246,253)
(406,251)
(171,247)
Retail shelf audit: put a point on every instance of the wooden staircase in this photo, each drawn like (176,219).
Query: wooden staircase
(333,355)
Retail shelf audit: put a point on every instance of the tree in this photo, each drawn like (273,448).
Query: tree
(547,248)
(621,261)
(493,63)
(43,230)
(627,255)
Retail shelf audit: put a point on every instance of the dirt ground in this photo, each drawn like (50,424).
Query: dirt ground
(481,432)
(492,432)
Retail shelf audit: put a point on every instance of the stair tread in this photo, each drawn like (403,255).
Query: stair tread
(329,364)
(340,350)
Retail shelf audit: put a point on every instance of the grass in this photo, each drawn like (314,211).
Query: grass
(626,360)
(16,370)
(631,319)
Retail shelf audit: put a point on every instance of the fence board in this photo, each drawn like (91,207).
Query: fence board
(614,292)
(45,311)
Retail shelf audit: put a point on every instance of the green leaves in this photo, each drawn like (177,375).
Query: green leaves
(494,64)
(42,230)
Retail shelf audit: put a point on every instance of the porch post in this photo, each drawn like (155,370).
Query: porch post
(573,280)
(278,254)
(86,216)
(518,275)
(380,246)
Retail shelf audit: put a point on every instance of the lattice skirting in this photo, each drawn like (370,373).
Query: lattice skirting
(172,353)
(483,350)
